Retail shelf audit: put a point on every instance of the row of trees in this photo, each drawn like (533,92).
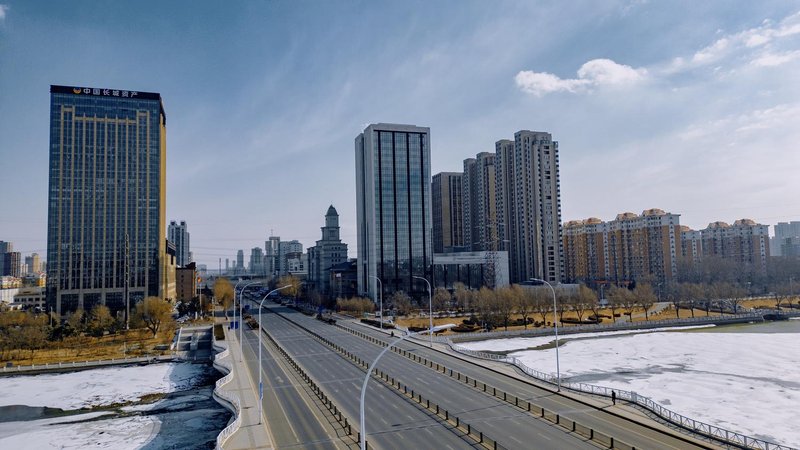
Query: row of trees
(28,331)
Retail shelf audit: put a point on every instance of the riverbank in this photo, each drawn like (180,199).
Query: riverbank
(168,405)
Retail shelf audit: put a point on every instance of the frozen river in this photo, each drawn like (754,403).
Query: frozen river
(744,378)
(166,405)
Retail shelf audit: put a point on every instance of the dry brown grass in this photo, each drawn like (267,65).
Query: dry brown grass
(122,345)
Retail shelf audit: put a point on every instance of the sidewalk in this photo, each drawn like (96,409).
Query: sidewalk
(251,434)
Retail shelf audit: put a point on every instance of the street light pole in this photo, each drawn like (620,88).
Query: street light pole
(363,433)
(241,328)
(260,368)
(234,299)
(430,305)
(380,295)
(555,322)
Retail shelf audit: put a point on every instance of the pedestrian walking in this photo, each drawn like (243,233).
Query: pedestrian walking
(614,397)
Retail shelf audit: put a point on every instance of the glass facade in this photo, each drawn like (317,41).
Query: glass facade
(394,208)
(105,198)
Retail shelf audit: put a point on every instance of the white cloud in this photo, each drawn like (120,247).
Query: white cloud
(766,35)
(3,10)
(770,59)
(597,72)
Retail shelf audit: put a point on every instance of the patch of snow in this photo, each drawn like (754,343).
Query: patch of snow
(744,382)
(98,387)
(120,433)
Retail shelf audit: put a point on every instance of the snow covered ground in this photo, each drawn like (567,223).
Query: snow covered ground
(742,381)
(98,387)
(187,417)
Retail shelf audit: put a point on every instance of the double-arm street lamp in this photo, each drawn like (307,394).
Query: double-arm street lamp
(430,305)
(363,434)
(555,322)
(261,332)
(380,295)
(241,317)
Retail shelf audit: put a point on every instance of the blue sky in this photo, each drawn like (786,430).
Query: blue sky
(691,107)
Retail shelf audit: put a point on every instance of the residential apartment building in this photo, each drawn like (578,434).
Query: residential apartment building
(626,249)
(479,210)
(528,202)
(691,244)
(186,283)
(393,196)
(745,242)
(106,229)
(786,241)
(447,203)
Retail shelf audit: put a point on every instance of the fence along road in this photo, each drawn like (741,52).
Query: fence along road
(623,429)
(394,422)
(512,426)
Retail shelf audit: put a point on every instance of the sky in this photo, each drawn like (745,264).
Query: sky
(690,107)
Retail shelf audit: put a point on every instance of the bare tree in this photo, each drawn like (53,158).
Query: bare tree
(441,299)
(542,304)
(526,304)
(294,283)
(618,298)
(643,295)
(401,302)
(505,299)
(487,307)
(154,313)
(463,296)
(585,299)
(223,292)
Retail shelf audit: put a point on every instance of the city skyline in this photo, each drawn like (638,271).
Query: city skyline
(695,119)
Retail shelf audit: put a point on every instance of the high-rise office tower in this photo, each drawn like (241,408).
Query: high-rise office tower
(448,220)
(256,265)
(529,205)
(393,193)
(106,233)
(33,263)
(239,261)
(271,253)
(178,234)
(480,211)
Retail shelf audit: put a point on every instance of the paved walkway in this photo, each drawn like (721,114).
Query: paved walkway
(251,434)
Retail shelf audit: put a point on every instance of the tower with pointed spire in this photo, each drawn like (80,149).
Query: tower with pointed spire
(329,251)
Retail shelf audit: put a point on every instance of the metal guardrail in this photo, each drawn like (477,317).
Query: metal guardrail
(81,364)
(222,362)
(663,323)
(701,428)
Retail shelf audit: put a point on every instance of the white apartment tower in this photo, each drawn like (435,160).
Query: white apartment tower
(529,205)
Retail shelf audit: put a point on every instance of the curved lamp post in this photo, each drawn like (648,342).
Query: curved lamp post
(380,286)
(555,322)
(430,305)
(234,300)
(241,317)
(261,332)
(363,437)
